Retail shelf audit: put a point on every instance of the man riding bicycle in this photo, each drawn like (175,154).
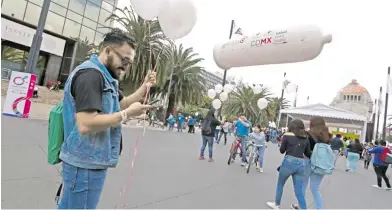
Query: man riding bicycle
(242,130)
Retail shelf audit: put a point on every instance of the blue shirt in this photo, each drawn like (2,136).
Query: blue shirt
(180,119)
(191,121)
(171,120)
(242,130)
(377,151)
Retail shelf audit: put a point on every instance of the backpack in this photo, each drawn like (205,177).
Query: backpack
(386,156)
(56,134)
(322,159)
(206,127)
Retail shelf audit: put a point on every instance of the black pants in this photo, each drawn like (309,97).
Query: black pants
(381,172)
(366,162)
(191,129)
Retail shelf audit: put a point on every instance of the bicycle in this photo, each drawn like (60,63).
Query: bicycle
(234,150)
(254,155)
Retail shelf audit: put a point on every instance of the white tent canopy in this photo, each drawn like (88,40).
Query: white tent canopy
(333,117)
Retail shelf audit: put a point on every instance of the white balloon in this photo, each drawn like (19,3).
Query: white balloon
(216,103)
(197,113)
(218,88)
(291,87)
(257,89)
(211,93)
(262,103)
(228,88)
(177,18)
(223,96)
(148,9)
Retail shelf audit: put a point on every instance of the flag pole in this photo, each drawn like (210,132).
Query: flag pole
(296,95)
(386,106)
(225,70)
(307,101)
(378,112)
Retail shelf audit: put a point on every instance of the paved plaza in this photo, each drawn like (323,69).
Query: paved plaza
(168,174)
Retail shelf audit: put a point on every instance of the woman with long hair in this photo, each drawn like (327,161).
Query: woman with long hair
(353,156)
(318,133)
(294,145)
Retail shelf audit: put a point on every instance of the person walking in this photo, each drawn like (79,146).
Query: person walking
(92,113)
(208,134)
(294,145)
(380,167)
(354,149)
(224,131)
(337,146)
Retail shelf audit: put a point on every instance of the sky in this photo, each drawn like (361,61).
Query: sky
(361,48)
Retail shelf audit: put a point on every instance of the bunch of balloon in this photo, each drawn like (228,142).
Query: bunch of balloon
(176,17)
(221,92)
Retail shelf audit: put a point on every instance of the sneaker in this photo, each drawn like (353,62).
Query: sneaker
(388,188)
(261,170)
(201,158)
(210,160)
(294,206)
(272,205)
(243,164)
(376,186)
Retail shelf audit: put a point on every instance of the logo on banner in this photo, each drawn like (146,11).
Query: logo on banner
(280,37)
(19,80)
(261,42)
(235,42)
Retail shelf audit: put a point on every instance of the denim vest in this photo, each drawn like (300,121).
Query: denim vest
(98,150)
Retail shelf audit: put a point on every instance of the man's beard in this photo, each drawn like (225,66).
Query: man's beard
(111,68)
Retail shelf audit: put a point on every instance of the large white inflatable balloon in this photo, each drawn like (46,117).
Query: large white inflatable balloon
(218,88)
(287,45)
(211,93)
(147,9)
(257,89)
(223,96)
(177,18)
(216,103)
(228,88)
(262,103)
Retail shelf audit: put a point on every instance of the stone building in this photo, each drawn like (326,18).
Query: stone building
(355,98)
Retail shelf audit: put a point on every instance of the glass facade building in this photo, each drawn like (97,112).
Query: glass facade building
(67,22)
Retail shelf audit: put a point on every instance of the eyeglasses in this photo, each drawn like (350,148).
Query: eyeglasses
(124,60)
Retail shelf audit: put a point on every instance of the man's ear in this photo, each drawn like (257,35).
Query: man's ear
(107,50)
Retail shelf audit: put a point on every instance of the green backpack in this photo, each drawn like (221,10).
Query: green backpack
(56,134)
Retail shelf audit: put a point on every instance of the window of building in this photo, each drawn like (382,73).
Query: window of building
(96,2)
(112,2)
(359,98)
(351,97)
(107,6)
(344,97)
(37,2)
(14,8)
(87,34)
(103,29)
(98,38)
(355,98)
(63,3)
(103,16)
(89,23)
(54,23)
(92,11)
(32,13)
(77,6)
(71,29)
(75,17)
(58,9)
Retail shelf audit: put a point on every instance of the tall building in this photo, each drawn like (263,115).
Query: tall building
(67,22)
(212,79)
(355,98)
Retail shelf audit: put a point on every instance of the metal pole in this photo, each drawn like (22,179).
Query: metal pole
(225,70)
(281,101)
(386,106)
(37,39)
(378,113)
(296,95)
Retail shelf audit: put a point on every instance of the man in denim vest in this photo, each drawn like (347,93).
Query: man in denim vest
(93,111)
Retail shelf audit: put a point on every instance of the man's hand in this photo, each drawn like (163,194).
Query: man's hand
(137,109)
(150,79)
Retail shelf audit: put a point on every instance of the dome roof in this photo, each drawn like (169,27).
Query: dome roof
(354,88)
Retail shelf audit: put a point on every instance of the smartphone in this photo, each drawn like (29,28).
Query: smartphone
(153,102)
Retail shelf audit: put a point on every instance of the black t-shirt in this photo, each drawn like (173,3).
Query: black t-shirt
(87,90)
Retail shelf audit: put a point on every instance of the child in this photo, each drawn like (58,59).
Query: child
(259,138)
(367,157)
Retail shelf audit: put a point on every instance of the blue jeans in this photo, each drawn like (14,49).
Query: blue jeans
(81,187)
(261,150)
(210,141)
(217,135)
(295,167)
(171,126)
(244,141)
(315,181)
(351,162)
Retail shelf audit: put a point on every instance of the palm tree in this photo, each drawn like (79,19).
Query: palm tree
(187,81)
(150,43)
(243,101)
(272,109)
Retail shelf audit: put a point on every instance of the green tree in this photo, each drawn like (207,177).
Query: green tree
(150,43)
